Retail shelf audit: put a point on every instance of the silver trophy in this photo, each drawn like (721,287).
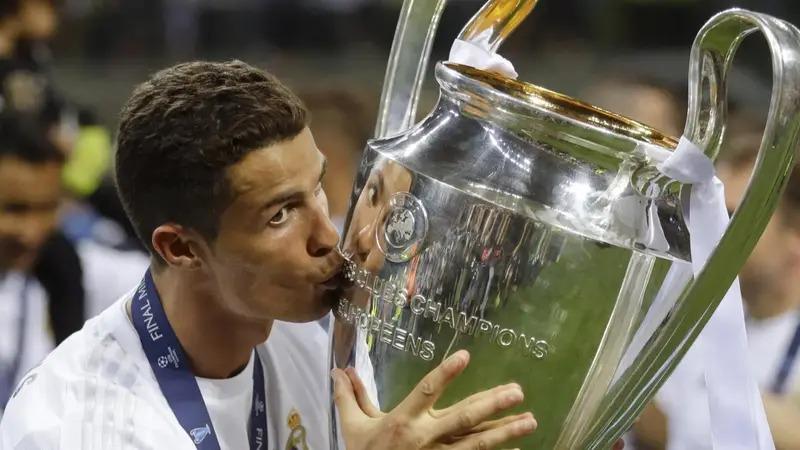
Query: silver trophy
(535,231)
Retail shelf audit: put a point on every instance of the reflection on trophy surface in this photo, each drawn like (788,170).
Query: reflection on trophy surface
(539,233)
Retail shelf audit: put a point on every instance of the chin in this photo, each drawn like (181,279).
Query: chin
(319,306)
(310,315)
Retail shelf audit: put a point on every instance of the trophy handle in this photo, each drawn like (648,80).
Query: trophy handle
(408,61)
(711,57)
(498,18)
(411,51)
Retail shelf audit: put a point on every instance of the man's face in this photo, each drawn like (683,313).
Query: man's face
(38,19)
(29,199)
(770,265)
(276,246)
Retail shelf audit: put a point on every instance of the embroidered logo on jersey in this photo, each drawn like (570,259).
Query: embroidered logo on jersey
(200,433)
(297,433)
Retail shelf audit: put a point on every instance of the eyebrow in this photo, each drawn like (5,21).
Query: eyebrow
(295,195)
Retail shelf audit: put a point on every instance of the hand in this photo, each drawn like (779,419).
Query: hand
(415,425)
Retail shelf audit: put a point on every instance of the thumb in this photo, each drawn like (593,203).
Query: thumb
(344,397)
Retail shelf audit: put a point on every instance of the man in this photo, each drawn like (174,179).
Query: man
(218,346)
(37,309)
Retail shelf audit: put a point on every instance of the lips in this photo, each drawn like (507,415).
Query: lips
(336,281)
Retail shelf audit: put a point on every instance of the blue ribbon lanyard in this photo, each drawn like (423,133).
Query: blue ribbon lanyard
(8,376)
(175,377)
(779,384)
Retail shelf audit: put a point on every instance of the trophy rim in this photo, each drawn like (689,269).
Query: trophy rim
(533,96)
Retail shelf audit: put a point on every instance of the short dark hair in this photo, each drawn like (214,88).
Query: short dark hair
(27,141)
(183,128)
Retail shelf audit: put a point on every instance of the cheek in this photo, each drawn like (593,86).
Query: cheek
(272,256)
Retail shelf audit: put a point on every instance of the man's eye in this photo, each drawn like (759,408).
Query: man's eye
(280,217)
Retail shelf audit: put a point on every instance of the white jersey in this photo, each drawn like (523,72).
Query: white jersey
(98,391)
(25,329)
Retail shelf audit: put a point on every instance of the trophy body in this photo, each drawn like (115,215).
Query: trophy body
(536,232)
(482,232)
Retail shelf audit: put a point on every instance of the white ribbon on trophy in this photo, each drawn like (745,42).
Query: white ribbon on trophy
(736,412)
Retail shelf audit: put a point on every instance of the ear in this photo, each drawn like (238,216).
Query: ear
(176,247)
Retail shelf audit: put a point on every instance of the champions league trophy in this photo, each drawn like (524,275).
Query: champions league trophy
(541,233)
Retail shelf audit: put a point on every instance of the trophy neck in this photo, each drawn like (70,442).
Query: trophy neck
(525,106)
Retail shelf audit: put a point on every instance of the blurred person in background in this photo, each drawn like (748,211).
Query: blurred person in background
(44,299)
(770,283)
(28,92)
(639,98)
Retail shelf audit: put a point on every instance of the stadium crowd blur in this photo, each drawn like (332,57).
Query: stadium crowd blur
(67,251)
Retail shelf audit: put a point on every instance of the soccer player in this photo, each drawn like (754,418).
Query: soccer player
(218,346)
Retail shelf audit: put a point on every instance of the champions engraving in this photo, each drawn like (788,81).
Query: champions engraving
(387,292)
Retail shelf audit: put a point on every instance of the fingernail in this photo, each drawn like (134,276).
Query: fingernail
(457,360)
(514,396)
(335,375)
(526,424)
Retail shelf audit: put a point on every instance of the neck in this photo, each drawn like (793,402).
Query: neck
(217,342)
(773,306)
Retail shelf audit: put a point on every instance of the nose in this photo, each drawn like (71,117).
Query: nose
(324,236)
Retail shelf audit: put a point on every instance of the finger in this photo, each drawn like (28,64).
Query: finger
(471,415)
(485,426)
(344,397)
(489,424)
(496,436)
(362,397)
(619,445)
(472,399)
(428,391)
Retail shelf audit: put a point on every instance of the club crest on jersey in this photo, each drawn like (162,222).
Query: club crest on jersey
(297,432)
(200,433)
